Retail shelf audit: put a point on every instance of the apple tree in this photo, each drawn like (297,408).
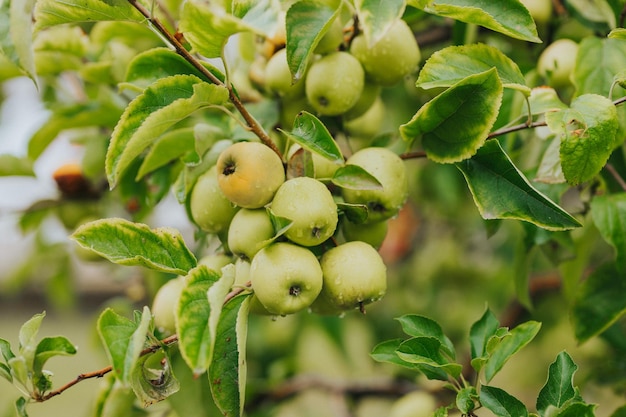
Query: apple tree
(420,171)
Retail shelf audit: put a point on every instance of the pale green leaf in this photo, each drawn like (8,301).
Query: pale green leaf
(310,133)
(452,64)
(377,16)
(127,243)
(544,99)
(228,370)
(306,23)
(14,165)
(162,105)
(517,338)
(559,388)
(508,17)
(599,302)
(501,191)
(153,384)
(52,12)
(27,339)
(20,29)
(207,27)
(501,403)
(455,124)
(262,15)
(609,215)
(60,48)
(617,33)
(123,340)
(597,12)
(598,61)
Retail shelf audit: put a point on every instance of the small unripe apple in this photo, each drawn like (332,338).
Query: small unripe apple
(332,38)
(278,77)
(540,10)
(286,278)
(249,173)
(216,261)
(414,404)
(209,207)
(249,230)
(371,92)
(556,62)
(388,168)
(369,123)
(334,83)
(323,168)
(392,57)
(371,233)
(354,275)
(164,305)
(310,205)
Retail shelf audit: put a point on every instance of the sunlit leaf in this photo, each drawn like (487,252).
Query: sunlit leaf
(509,17)
(263,15)
(27,338)
(452,64)
(517,338)
(52,12)
(11,165)
(127,243)
(501,403)
(228,370)
(21,37)
(455,124)
(377,16)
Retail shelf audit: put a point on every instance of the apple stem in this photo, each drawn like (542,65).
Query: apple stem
(362,307)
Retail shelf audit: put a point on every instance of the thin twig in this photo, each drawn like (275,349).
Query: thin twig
(255,127)
(616,176)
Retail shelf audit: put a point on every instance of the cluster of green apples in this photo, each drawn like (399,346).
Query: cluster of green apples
(344,76)
(320,260)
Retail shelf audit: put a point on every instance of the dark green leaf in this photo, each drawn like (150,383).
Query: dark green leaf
(388,352)
(465,400)
(599,302)
(310,133)
(419,326)
(51,12)
(49,347)
(306,23)
(5,350)
(500,191)
(559,388)
(14,165)
(455,124)
(609,215)
(480,333)
(356,213)
(426,352)
(509,17)
(452,64)
(127,243)
(511,344)
(123,340)
(227,373)
(355,177)
(20,407)
(501,403)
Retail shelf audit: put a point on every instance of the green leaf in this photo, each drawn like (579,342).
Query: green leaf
(20,31)
(14,165)
(508,17)
(123,340)
(465,400)
(455,124)
(576,409)
(377,16)
(49,347)
(169,147)
(419,326)
(617,33)
(452,64)
(426,352)
(162,105)
(263,15)
(356,213)
(52,12)
(501,403)
(20,407)
(197,313)
(509,345)
(151,383)
(480,333)
(588,133)
(355,177)
(306,23)
(5,350)
(27,339)
(310,133)
(127,243)
(227,373)
(609,215)
(501,191)
(599,302)
(559,388)
(21,371)
(544,99)
(598,61)
(207,27)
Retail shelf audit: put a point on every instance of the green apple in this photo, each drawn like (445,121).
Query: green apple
(392,57)
(354,275)
(556,62)
(309,204)
(371,233)
(164,305)
(286,278)
(209,207)
(249,173)
(278,77)
(216,261)
(249,230)
(540,10)
(369,123)
(334,83)
(371,92)
(388,168)
(414,404)
(332,38)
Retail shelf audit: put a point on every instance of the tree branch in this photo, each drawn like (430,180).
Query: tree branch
(255,127)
